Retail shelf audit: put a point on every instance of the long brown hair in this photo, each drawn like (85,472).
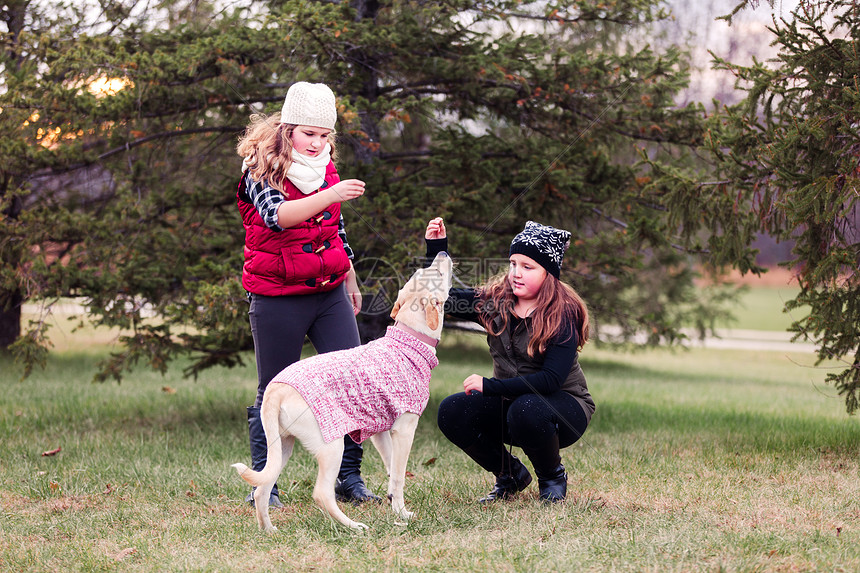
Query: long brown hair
(557,304)
(267,148)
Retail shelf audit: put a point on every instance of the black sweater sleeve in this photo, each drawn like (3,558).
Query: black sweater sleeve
(558,361)
(434,247)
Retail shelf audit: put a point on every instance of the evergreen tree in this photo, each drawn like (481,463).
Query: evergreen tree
(786,161)
(486,113)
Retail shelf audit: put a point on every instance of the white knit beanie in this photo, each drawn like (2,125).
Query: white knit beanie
(309,104)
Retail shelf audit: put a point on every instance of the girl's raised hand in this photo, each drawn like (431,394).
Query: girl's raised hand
(436,229)
(348,189)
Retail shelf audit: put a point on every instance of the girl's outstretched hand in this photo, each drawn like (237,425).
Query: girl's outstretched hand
(348,189)
(436,229)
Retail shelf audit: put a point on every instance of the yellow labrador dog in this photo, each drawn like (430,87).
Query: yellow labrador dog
(377,390)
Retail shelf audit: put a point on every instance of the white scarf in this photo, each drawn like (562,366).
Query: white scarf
(308,173)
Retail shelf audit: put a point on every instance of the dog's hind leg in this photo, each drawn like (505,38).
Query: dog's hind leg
(328,458)
(262,493)
(287,443)
(261,506)
(279,451)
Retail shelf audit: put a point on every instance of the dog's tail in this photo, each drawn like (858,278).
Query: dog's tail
(245,473)
(274,456)
(268,474)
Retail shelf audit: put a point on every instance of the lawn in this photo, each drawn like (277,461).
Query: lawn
(699,460)
(762,308)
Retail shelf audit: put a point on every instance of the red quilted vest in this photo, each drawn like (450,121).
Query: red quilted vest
(304,259)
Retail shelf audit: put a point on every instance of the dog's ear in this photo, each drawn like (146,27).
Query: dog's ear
(431,313)
(396,308)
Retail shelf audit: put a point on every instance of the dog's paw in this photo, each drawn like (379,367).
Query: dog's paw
(399,509)
(358,526)
(405,515)
(271,530)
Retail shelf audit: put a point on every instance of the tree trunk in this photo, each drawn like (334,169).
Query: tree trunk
(14,14)
(373,319)
(10,317)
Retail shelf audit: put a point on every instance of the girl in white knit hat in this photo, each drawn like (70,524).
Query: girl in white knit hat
(298,269)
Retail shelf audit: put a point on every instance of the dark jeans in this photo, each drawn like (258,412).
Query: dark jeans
(482,425)
(279,325)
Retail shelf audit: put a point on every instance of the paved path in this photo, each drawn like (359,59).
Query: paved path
(753,340)
(736,339)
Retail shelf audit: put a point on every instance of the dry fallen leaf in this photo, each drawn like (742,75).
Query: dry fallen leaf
(168,390)
(51,452)
(125,553)
(430,462)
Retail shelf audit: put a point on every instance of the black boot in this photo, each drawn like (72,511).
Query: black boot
(512,480)
(349,486)
(259,452)
(552,479)
(511,475)
(552,484)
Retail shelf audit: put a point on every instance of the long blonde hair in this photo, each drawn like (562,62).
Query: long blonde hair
(557,304)
(267,148)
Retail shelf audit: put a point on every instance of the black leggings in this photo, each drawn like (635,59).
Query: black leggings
(279,325)
(482,425)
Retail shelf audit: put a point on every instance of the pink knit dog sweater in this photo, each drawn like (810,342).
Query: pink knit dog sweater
(361,391)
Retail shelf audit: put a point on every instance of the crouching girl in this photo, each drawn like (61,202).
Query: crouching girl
(537,398)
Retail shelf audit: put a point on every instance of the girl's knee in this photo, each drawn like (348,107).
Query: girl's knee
(528,407)
(450,414)
(530,417)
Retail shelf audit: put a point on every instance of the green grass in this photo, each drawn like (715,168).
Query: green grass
(701,460)
(762,308)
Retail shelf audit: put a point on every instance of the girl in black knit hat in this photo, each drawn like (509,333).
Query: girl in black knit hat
(537,398)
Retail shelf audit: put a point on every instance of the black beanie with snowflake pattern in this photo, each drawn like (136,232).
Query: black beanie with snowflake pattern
(545,244)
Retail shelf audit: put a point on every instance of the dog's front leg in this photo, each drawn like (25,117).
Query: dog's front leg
(402,434)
